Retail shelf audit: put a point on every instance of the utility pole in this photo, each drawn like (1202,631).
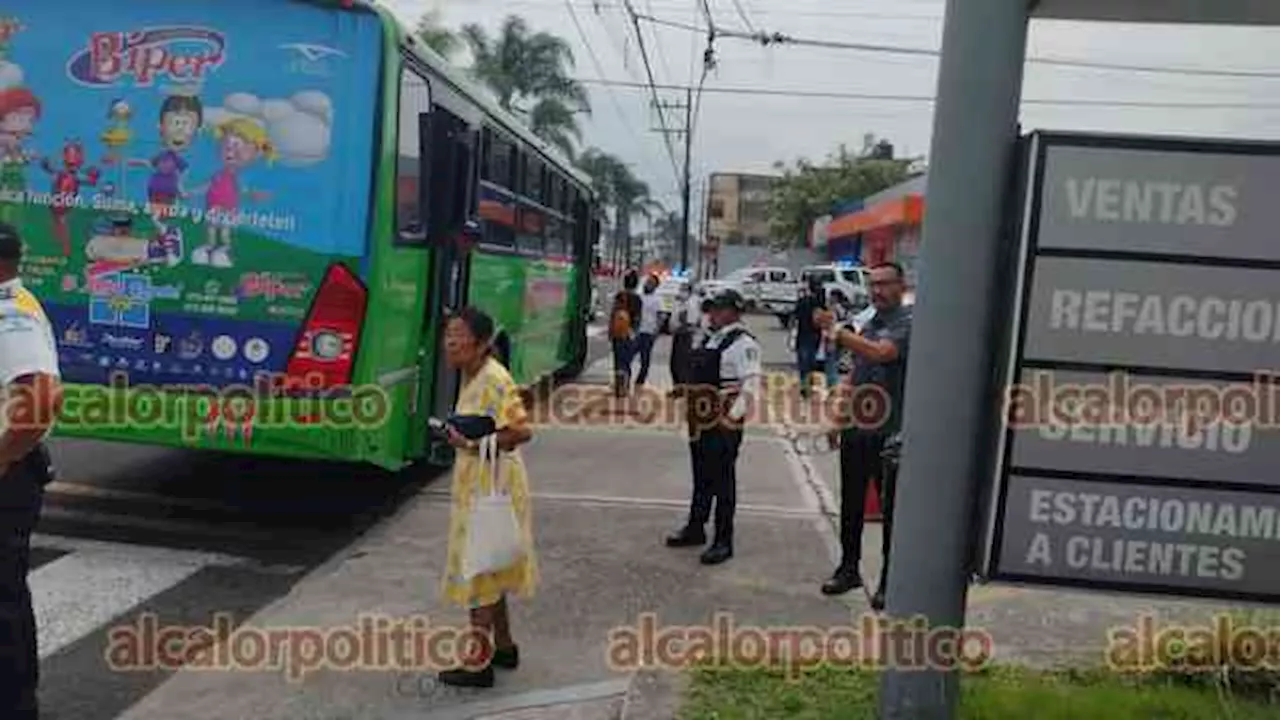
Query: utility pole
(687,132)
(685,190)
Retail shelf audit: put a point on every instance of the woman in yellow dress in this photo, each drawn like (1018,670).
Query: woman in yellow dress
(487,390)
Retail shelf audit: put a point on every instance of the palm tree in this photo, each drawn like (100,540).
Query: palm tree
(530,76)
(436,36)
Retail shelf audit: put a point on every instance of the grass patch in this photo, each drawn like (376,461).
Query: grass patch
(993,694)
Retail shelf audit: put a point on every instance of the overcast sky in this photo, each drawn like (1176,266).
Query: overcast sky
(750,133)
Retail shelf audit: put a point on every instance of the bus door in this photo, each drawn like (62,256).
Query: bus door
(450,205)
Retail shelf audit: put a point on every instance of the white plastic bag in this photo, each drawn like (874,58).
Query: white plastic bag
(493,531)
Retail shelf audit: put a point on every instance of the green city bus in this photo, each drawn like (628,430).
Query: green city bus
(246,220)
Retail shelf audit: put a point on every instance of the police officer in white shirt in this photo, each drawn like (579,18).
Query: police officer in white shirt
(724,377)
(32,398)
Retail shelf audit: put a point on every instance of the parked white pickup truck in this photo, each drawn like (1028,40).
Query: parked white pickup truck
(851,280)
(772,290)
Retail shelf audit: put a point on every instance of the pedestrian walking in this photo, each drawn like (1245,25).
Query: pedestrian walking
(489,407)
(650,309)
(32,400)
(880,360)
(724,381)
(622,326)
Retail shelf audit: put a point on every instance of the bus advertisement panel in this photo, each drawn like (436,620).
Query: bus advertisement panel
(185,176)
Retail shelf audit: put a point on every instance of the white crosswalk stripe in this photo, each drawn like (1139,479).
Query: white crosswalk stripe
(77,593)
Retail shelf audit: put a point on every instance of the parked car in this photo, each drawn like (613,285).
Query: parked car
(772,290)
(851,280)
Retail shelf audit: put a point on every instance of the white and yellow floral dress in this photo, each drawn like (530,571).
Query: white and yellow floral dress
(494,393)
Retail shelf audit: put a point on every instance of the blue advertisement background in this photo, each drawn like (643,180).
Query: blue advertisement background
(273,51)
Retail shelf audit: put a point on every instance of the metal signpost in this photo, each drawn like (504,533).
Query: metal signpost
(947,419)
(1141,442)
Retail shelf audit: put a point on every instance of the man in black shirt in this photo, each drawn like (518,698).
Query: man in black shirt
(808,334)
(880,360)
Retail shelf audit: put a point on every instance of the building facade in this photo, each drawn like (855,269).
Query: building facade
(883,227)
(737,215)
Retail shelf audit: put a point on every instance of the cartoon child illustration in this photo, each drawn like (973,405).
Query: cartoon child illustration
(181,117)
(19,110)
(243,142)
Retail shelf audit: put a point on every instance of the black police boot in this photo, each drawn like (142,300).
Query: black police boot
(842,582)
(468,678)
(720,551)
(877,600)
(507,658)
(689,536)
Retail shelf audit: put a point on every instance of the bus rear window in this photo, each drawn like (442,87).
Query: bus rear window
(415,99)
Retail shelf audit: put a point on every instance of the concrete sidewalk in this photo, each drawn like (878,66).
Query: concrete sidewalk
(603,502)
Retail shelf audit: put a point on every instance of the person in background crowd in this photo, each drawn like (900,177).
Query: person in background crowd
(724,381)
(488,391)
(838,360)
(880,359)
(32,398)
(808,337)
(683,322)
(622,322)
(650,310)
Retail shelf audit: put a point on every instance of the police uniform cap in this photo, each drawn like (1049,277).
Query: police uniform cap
(10,244)
(729,300)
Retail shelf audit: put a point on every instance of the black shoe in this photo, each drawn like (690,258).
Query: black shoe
(717,554)
(877,600)
(841,583)
(507,659)
(687,537)
(468,678)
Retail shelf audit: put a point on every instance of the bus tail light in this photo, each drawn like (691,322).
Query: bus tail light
(331,333)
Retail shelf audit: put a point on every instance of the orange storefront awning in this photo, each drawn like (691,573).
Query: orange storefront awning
(906,210)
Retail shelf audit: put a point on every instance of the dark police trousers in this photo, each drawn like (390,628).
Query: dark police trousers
(681,344)
(21,493)
(860,461)
(714,445)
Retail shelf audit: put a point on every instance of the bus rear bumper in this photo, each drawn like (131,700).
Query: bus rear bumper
(354,428)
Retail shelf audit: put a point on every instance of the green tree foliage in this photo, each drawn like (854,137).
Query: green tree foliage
(620,190)
(530,75)
(436,36)
(806,191)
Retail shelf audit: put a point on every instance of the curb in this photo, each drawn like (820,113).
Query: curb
(653,695)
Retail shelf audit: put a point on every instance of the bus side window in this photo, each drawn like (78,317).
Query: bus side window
(496,208)
(415,100)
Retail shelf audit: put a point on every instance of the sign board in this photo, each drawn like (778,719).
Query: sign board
(1140,448)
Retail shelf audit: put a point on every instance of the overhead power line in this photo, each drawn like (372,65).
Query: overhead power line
(768,39)
(599,67)
(832,95)
(653,87)
(737,4)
